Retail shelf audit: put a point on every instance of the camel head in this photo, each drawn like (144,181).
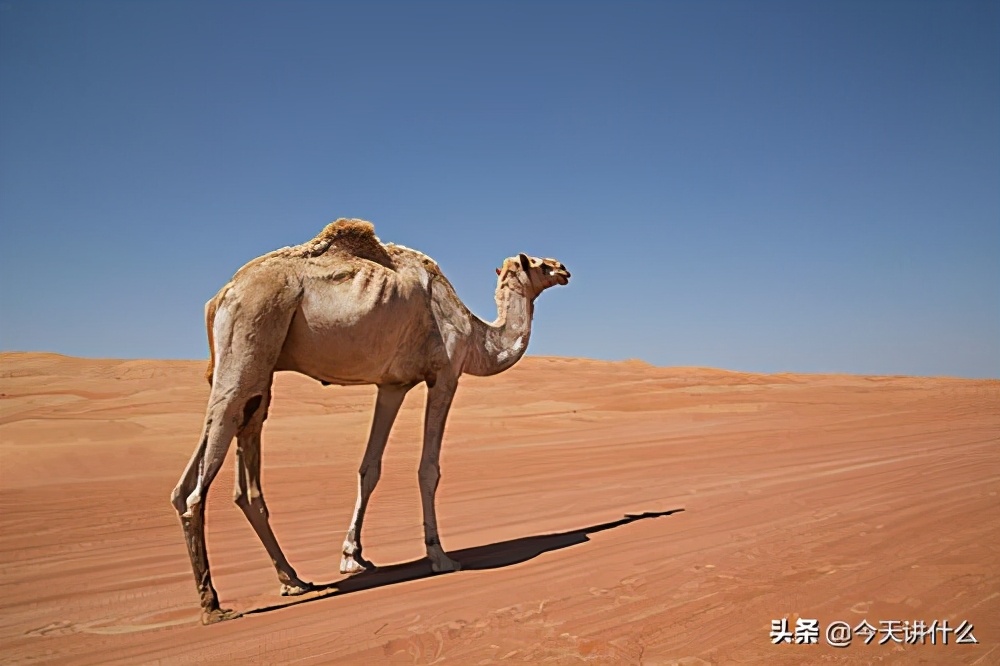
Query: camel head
(531,275)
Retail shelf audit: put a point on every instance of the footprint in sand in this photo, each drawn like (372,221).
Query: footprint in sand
(60,628)
(149,622)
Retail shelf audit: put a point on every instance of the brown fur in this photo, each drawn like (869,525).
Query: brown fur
(355,237)
(429,264)
(343,309)
(350,236)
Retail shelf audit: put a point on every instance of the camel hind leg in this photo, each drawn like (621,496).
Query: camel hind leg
(250,498)
(248,336)
(189,497)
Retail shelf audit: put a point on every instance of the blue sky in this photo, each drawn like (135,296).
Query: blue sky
(767,186)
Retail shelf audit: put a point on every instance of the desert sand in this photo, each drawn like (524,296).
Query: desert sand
(603,512)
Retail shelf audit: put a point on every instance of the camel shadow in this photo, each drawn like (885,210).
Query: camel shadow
(479,558)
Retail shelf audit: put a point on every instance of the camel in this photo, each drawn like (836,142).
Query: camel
(344,309)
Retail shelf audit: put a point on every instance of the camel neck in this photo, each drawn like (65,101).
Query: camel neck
(498,346)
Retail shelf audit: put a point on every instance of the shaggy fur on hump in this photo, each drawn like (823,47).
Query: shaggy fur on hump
(353,237)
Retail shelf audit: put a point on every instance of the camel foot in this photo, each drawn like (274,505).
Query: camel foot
(297,588)
(218,615)
(444,563)
(354,564)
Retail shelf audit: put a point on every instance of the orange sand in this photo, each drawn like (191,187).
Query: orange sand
(820,496)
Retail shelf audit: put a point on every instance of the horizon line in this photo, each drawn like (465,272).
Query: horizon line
(630,361)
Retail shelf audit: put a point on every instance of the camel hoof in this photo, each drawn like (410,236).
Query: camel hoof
(351,565)
(218,615)
(294,590)
(445,564)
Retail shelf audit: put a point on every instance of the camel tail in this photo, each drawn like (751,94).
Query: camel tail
(210,309)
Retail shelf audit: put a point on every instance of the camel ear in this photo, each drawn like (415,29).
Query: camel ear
(498,271)
(525,262)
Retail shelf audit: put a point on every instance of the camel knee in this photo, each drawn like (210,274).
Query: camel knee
(187,504)
(178,498)
(193,504)
(241,498)
(249,499)
(186,495)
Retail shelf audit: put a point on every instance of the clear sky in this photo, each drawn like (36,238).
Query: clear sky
(766,186)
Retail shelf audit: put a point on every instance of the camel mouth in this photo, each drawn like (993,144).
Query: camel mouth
(563,279)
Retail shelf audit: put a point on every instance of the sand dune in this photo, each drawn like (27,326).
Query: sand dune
(604,512)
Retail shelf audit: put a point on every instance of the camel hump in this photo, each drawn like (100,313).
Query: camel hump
(355,237)
(351,237)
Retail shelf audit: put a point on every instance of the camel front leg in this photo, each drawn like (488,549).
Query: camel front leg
(439,399)
(387,405)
